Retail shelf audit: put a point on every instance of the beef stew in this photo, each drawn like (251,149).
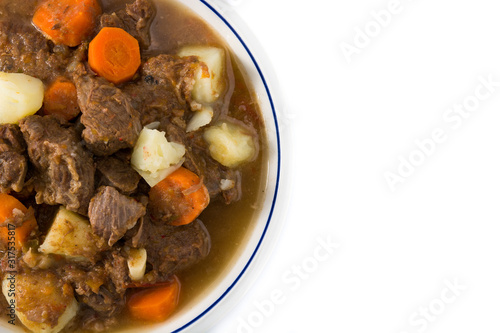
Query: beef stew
(86,211)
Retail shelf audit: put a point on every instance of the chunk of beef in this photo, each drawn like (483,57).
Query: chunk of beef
(18,9)
(135,19)
(140,13)
(178,72)
(95,287)
(112,214)
(13,163)
(117,173)
(64,169)
(157,102)
(92,320)
(26,50)
(172,249)
(164,89)
(11,139)
(107,301)
(109,119)
(84,279)
(13,168)
(185,246)
(117,270)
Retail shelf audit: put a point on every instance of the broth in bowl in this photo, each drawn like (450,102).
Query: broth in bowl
(133,159)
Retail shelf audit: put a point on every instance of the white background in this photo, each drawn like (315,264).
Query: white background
(351,123)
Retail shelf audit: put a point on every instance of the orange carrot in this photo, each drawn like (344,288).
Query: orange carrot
(156,303)
(60,99)
(67,22)
(114,54)
(182,195)
(9,233)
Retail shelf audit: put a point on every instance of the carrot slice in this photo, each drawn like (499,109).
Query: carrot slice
(67,22)
(60,99)
(114,54)
(8,234)
(7,204)
(181,195)
(156,303)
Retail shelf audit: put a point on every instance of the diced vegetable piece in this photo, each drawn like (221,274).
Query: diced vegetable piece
(156,303)
(67,22)
(21,95)
(114,54)
(200,119)
(136,262)
(71,236)
(230,144)
(154,157)
(60,99)
(180,197)
(42,302)
(13,234)
(210,81)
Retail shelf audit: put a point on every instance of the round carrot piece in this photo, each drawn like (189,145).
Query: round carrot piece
(114,54)
(181,196)
(67,22)
(60,99)
(156,303)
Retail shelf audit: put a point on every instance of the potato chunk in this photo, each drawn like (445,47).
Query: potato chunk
(42,302)
(21,95)
(201,118)
(210,82)
(230,144)
(71,236)
(154,157)
(136,262)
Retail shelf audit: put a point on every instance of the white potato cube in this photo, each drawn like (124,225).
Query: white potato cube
(201,118)
(210,82)
(21,95)
(71,236)
(229,144)
(154,158)
(39,292)
(136,262)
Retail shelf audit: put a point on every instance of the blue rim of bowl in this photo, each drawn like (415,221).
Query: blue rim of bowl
(278,144)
